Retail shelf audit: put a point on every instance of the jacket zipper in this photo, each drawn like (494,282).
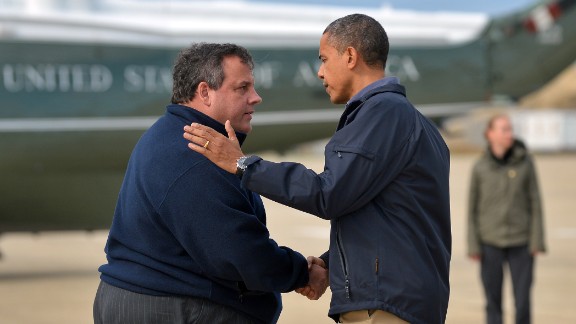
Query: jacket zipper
(343,261)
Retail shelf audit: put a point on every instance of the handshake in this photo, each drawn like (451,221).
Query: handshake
(318,279)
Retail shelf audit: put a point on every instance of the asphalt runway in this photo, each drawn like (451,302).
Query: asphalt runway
(52,277)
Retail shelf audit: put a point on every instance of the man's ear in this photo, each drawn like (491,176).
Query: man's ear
(204,93)
(352,56)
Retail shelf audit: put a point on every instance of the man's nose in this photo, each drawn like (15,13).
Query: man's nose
(255,99)
(321,72)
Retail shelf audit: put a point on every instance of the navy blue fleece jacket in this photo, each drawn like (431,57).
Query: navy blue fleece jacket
(184,227)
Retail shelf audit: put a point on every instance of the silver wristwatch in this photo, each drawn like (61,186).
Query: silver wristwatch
(241,166)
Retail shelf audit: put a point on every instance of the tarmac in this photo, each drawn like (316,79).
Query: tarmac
(52,277)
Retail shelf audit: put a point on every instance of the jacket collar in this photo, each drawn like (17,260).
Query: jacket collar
(372,86)
(192,115)
(515,154)
(380,86)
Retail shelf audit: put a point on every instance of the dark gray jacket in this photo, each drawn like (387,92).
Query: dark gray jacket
(504,204)
(385,189)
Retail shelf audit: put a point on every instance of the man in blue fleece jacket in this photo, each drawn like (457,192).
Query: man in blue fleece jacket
(188,243)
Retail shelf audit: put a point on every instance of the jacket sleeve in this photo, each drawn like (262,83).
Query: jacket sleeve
(362,159)
(326,258)
(215,223)
(473,198)
(537,220)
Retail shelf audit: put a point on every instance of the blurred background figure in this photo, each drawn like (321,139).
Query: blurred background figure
(505,222)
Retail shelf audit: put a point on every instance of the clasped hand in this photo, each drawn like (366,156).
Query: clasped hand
(318,279)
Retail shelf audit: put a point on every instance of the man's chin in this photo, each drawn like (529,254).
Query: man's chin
(338,101)
(243,129)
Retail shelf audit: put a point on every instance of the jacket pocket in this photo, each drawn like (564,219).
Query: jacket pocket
(338,149)
(343,260)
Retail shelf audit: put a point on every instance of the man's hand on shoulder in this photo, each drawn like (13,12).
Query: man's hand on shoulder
(221,150)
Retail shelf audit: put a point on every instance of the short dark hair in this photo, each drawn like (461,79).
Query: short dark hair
(203,62)
(363,33)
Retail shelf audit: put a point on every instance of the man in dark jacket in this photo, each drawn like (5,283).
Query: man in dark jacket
(384,186)
(188,242)
(505,222)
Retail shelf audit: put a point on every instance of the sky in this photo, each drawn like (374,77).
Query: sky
(492,7)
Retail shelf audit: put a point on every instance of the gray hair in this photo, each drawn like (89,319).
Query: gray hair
(363,33)
(203,62)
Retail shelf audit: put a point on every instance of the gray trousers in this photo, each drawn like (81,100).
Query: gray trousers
(521,264)
(114,305)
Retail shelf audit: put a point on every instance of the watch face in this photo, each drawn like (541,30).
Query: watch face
(243,160)
(241,164)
